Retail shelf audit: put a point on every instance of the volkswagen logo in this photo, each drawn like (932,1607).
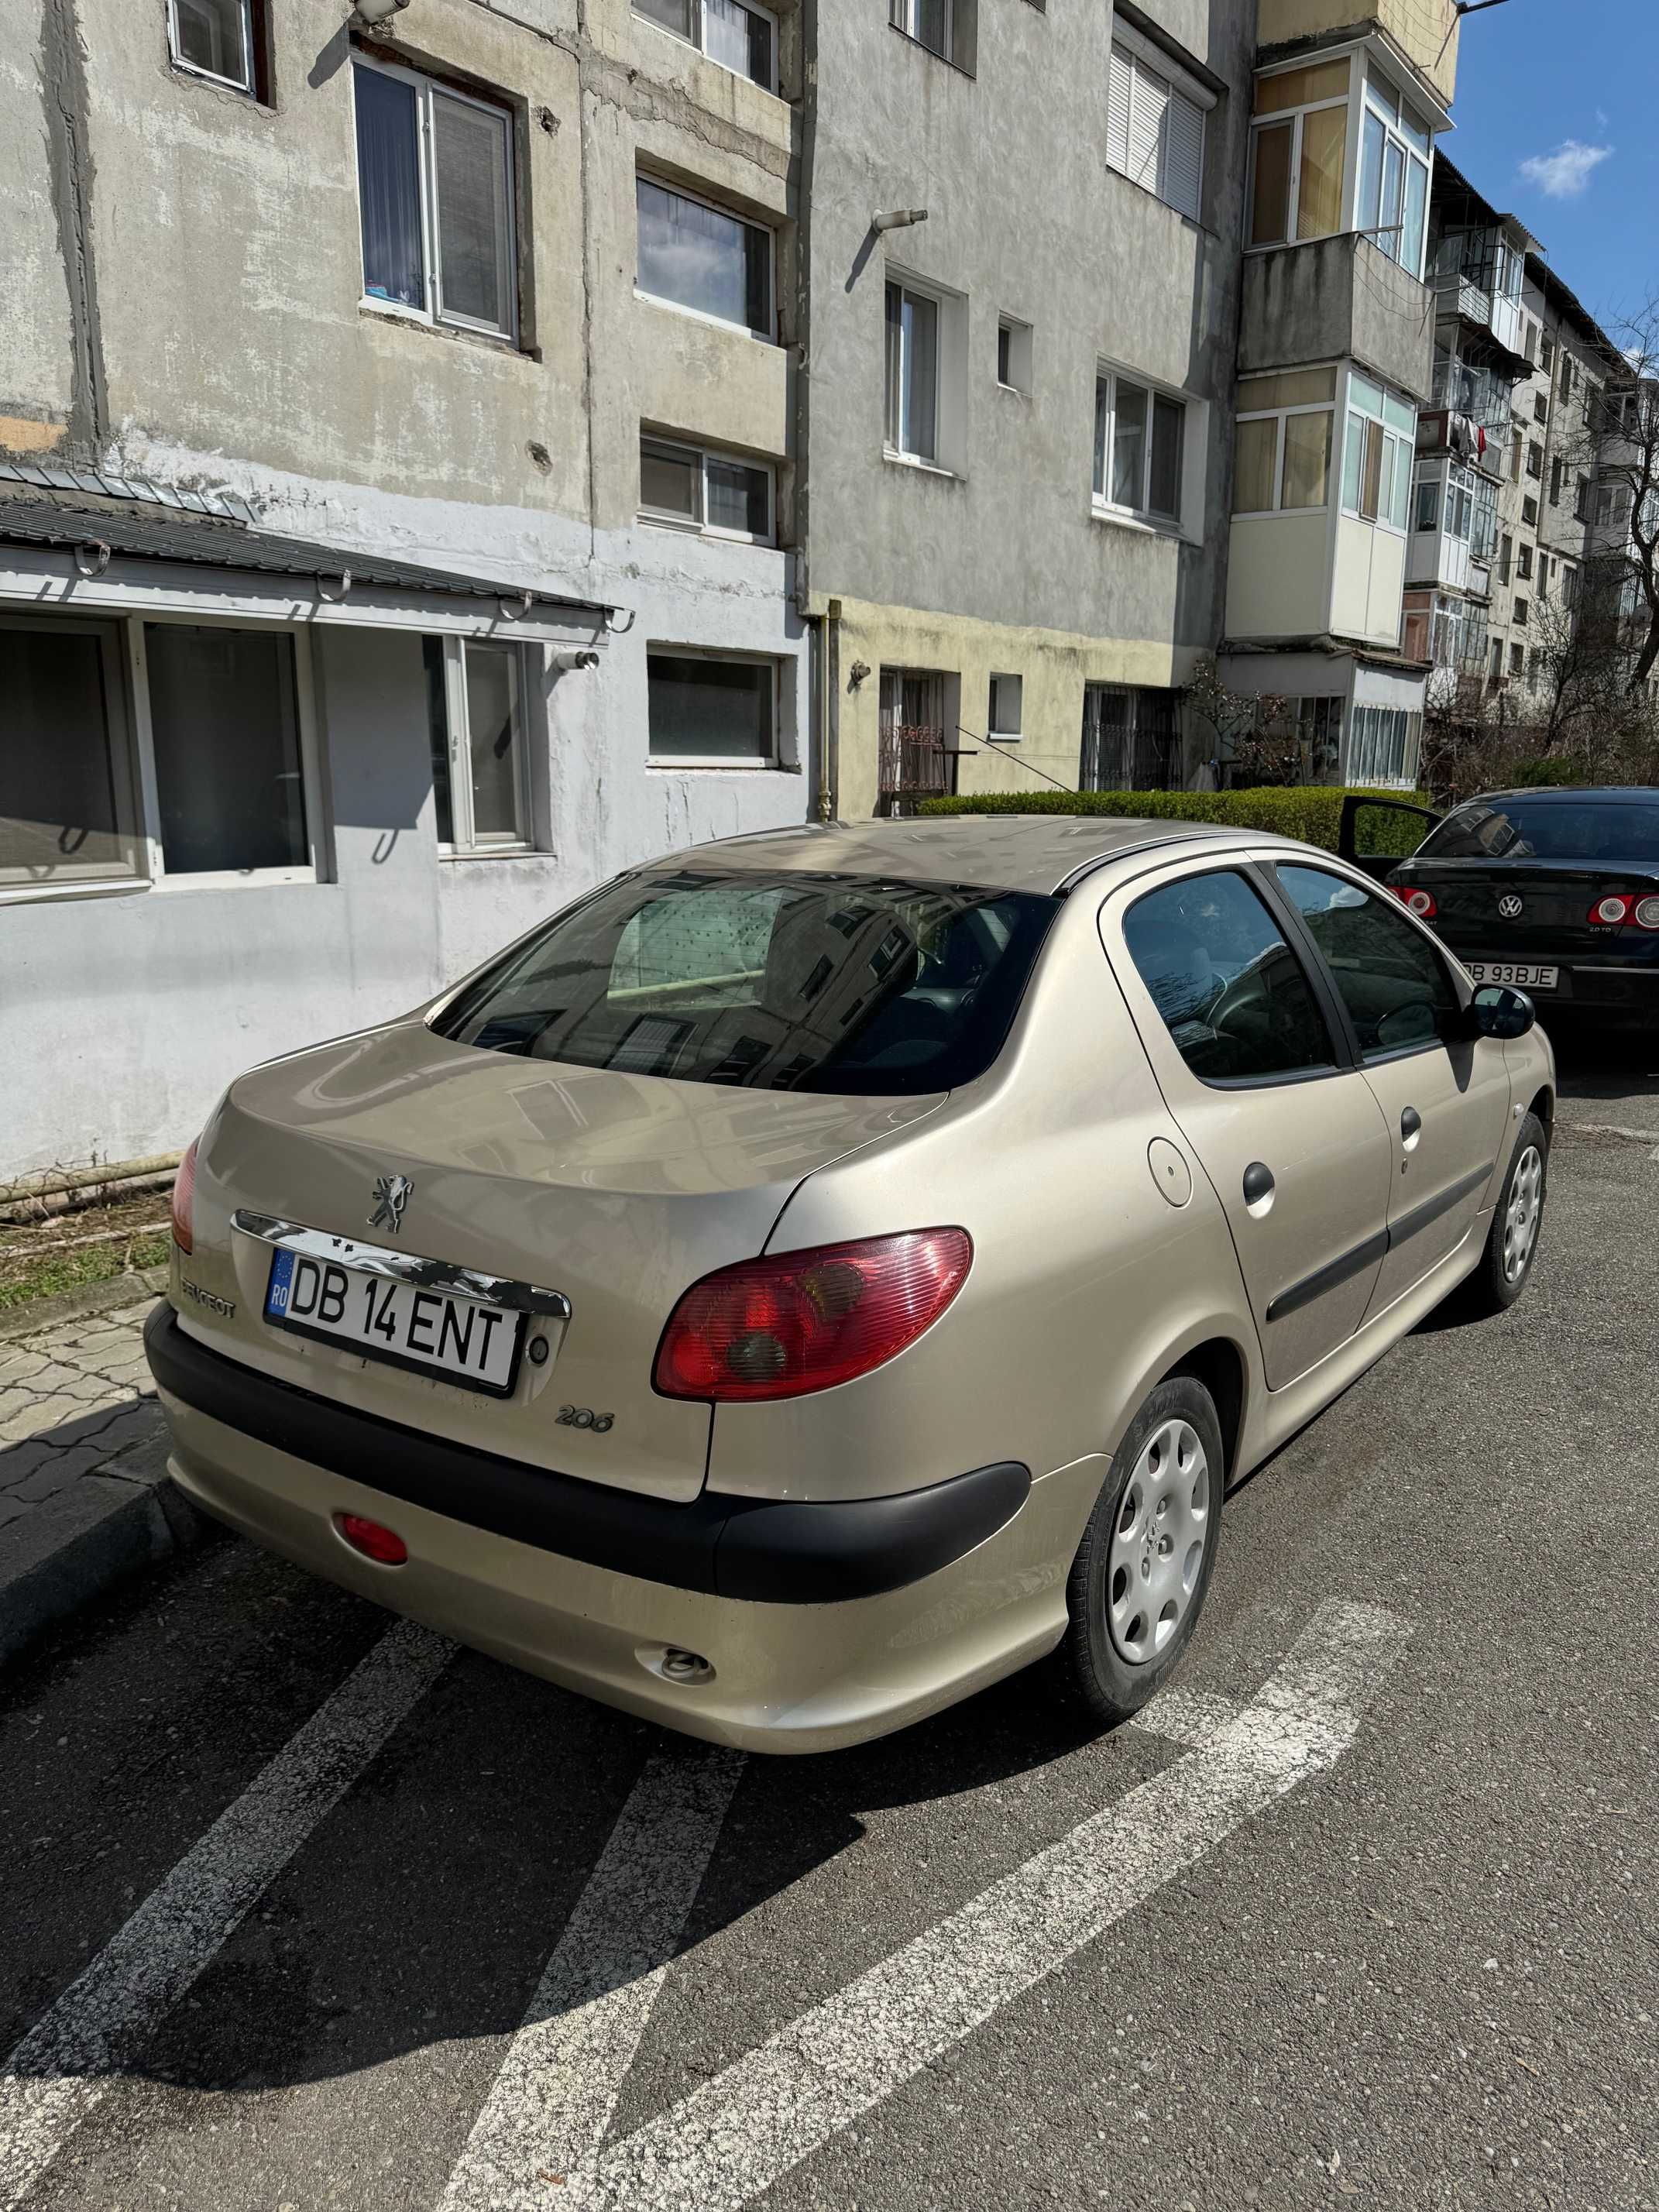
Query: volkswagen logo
(392,1194)
(1510,905)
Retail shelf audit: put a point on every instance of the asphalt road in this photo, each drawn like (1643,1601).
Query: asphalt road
(1370,1922)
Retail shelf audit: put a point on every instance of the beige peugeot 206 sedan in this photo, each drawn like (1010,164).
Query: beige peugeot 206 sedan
(821,1273)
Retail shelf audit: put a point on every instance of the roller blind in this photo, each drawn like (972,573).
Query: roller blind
(1154,133)
(1183,164)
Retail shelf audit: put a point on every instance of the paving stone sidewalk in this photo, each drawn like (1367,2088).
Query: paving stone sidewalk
(84,1496)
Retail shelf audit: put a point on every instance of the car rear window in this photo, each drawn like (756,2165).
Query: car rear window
(1547,830)
(786,982)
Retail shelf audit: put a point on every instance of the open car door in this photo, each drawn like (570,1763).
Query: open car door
(1377,833)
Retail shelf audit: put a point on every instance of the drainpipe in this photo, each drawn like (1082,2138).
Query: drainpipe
(829,716)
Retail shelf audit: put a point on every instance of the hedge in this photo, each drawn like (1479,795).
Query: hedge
(1311,811)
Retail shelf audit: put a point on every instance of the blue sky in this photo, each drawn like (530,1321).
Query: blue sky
(1558,117)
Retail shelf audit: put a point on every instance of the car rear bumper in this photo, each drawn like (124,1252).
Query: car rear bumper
(875,1612)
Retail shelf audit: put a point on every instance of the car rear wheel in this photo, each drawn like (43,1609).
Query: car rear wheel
(1138,1583)
(1512,1240)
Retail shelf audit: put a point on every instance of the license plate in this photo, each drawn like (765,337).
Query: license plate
(460,1339)
(1524,975)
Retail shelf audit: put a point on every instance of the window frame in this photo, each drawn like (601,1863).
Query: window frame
(901,12)
(1354,406)
(133,826)
(1336,1005)
(434,315)
(1294,115)
(251,87)
(699,44)
(463,842)
(995,733)
(698,525)
(1374,99)
(769,335)
(1148,516)
(742,764)
(905,285)
(1142,58)
(1280,416)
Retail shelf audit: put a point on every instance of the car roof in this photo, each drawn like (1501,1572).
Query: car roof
(1005,852)
(1568,793)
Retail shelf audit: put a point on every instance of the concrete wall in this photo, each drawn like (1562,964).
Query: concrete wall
(1426,29)
(1335,296)
(1002,563)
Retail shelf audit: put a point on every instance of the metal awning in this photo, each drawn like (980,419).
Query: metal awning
(97,533)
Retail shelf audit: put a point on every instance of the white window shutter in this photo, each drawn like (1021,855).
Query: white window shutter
(1183,160)
(1117,110)
(1149,100)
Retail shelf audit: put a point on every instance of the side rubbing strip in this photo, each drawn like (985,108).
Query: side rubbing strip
(1330,1276)
(1443,1202)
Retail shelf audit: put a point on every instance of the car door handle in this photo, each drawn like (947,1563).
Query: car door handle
(1257,1183)
(1411,1124)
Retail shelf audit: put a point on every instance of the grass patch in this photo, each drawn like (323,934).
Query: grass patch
(71,1251)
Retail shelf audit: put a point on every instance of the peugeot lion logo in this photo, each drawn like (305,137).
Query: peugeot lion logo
(392,1194)
(1510,905)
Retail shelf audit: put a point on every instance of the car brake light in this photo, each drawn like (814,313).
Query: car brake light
(1420,902)
(183,1199)
(799,1321)
(1626,906)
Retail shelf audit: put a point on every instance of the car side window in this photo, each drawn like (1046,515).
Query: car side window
(1234,996)
(1397,989)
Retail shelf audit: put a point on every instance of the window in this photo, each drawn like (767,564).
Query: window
(1529,513)
(1505,554)
(1524,561)
(712,713)
(1394,174)
(1234,997)
(1397,990)
(1131,739)
(769,982)
(1498,661)
(913,367)
(1530,339)
(480,752)
(1568,586)
(1383,747)
(66,799)
(1285,430)
(1007,701)
(741,38)
(1566,375)
(1581,500)
(696,256)
(434,185)
(217,38)
(1377,458)
(1518,660)
(1297,142)
(1428,504)
(1555,481)
(225,734)
(1155,128)
(1543,575)
(1519,616)
(931,23)
(1517,444)
(1546,356)
(1541,407)
(1013,354)
(698,490)
(1535,460)
(1137,448)
(1534,663)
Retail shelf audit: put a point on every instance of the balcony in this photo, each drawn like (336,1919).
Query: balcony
(1333,299)
(1426,30)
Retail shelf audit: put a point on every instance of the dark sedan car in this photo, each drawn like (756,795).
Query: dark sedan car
(1555,891)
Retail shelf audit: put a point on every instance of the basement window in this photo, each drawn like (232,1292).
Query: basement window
(217,38)
(434,190)
(741,38)
(1007,705)
(691,488)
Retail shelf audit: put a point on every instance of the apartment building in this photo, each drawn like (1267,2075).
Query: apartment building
(396,489)
(1336,358)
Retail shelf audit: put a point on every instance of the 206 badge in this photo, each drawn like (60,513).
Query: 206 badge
(392,1195)
(1510,905)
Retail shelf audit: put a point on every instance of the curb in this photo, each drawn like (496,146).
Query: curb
(70,1305)
(69,1550)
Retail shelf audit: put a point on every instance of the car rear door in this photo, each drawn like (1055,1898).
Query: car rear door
(1251,1055)
(1377,833)
(1445,1093)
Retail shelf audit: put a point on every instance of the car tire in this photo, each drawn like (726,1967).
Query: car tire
(1138,1583)
(1511,1243)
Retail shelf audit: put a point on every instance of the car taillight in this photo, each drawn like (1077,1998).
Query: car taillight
(183,1199)
(805,1321)
(1420,902)
(1626,906)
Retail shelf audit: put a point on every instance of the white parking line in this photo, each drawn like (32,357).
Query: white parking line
(734,2136)
(64,2065)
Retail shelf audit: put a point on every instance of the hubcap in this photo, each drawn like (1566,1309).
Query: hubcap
(1158,1546)
(1520,1214)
